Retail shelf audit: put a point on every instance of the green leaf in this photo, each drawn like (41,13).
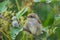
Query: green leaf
(20,13)
(57,22)
(14,32)
(19,36)
(52,37)
(48,19)
(57,31)
(3,6)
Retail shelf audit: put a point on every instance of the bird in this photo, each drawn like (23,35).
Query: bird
(33,24)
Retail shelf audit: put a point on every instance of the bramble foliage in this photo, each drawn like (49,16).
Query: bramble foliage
(47,10)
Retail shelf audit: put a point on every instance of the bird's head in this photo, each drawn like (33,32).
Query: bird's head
(32,15)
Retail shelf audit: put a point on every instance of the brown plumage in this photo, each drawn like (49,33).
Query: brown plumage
(33,15)
(33,25)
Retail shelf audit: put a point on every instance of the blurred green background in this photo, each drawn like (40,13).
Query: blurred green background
(47,10)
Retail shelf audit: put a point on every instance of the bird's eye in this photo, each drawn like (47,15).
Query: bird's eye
(31,16)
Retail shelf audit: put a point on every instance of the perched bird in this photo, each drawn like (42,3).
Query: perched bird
(14,22)
(33,24)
